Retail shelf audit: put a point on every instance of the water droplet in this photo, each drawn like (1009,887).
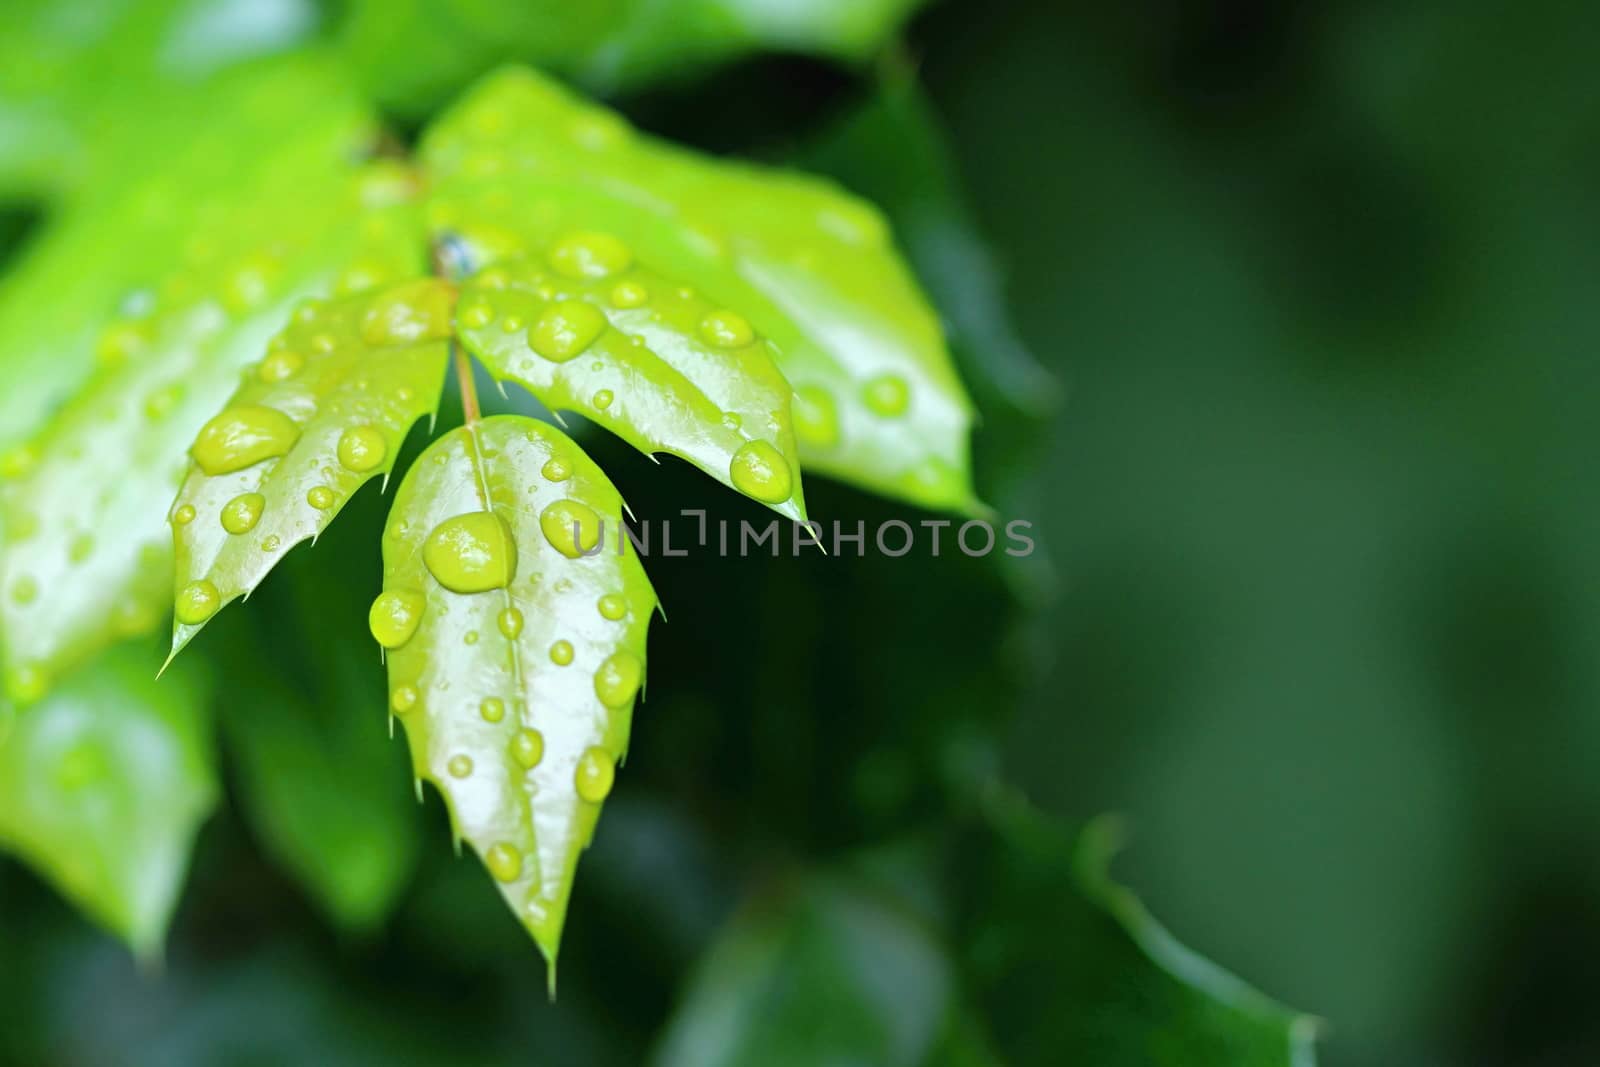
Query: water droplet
(26,683)
(271,543)
(184,515)
(886,395)
(471,553)
(361,449)
(511,323)
(320,497)
(726,329)
(602,399)
(759,470)
(557,468)
(18,462)
(629,295)
(403,699)
(242,436)
(511,622)
(618,679)
(395,615)
(493,709)
(816,422)
(570,527)
(159,404)
(470,637)
(527,748)
(197,602)
(589,256)
(410,314)
(121,340)
(504,862)
(595,774)
(280,366)
(476,315)
(561,653)
(565,329)
(241,514)
(24,590)
(81,547)
(459,766)
(613,607)
(731,421)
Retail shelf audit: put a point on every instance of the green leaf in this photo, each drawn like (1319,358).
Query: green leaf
(831,972)
(877,399)
(1068,965)
(86,555)
(324,412)
(514,658)
(103,786)
(587,330)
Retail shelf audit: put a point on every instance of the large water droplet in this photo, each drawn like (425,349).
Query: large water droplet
(726,329)
(595,773)
(493,709)
(527,748)
(504,862)
(618,679)
(565,329)
(409,314)
(471,553)
(395,615)
(241,514)
(510,622)
(588,256)
(361,449)
(887,395)
(571,528)
(760,471)
(197,602)
(241,436)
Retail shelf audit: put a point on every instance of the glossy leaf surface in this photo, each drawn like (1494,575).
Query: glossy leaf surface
(586,329)
(514,659)
(521,161)
(103,786)
(325,411)
(87,551)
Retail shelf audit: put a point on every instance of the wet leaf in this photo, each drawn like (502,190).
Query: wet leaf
(325,411)
(87,553)
(586,329)
(830,972)
(520,161)
(103,786)
(514,659)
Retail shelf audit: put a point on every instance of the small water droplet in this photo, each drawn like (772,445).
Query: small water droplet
(726,329)
(511,323)
(476,314)
(595,773)
(18,461)
(409,314)
(565,329)
(24,590)
(197,602)
(184,515)
(159,404)
(613,607)
(242,436)
(471,553)
(361,449)
(320,497)
(561,653)
(403,699)
(395,616)
(504,862)
(603,398)
(629,295)
(241,514)
(459,766)
(887,395)
(271,543)
(80,548)
(470,637)
(557,468)
(589,256)
(280,366)
(572,528)
(492,709)
(816,421)
(527,748)
(618,678)
(510,622)
(759,470)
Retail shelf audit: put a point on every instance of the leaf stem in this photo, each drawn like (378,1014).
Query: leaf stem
(469,390)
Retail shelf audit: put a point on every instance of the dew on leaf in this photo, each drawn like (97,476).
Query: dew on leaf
(320,497)
(280,366)
(572,528)
(589,256)
(726,329)
(759,470)
(527,748)
(471,553)
(510,622)
(603,398)
(459,766)
(504,862)
(242,436)
(816,421)
(197,602)
(618,678)
(613,607)
(594,775)
(561,653)
(361,449)
(241,514)
(557,469)
(493,709)
(565,329)
(403,699)
(886,395)
(394,616)
(629,295)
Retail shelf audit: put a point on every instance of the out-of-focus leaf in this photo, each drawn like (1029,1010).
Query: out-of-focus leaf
(877,400)
(103,786)
(831,972)
(415,53)
(320,779)
(1069,966)
(514,658)
(86,554)
(586,329)
(72,71)
(324,412)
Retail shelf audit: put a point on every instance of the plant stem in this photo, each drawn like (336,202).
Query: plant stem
(469,391)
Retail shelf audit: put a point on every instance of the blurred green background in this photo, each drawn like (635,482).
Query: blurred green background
(1317,283)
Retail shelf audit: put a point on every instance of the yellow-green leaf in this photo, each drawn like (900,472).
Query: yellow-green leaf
(520,161)
(587,329)
(87,553)
(514,657)
(325,410)
(103,786)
